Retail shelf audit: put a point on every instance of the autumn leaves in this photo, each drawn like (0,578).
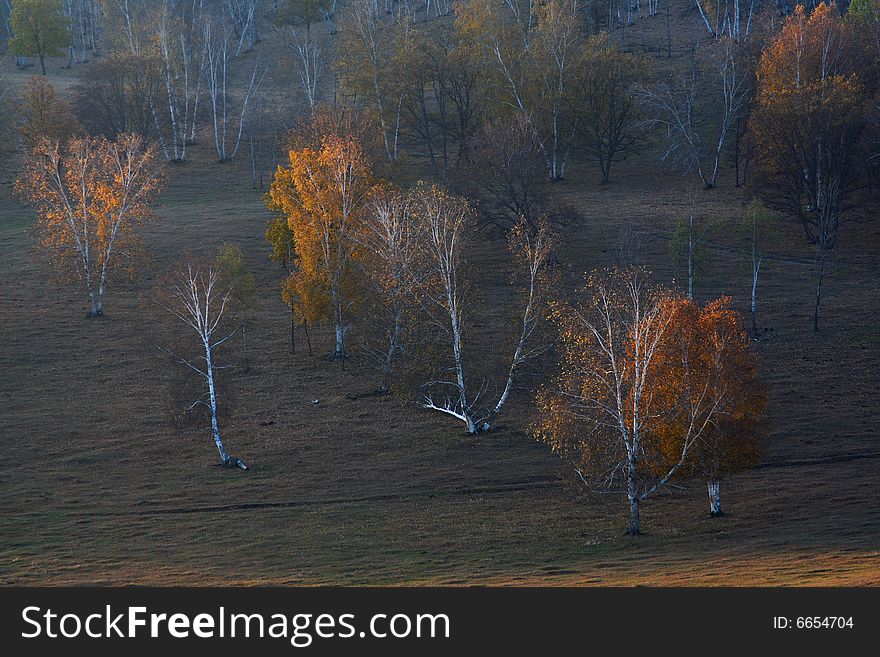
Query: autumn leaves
(649,387)
(359,242)
(91,195)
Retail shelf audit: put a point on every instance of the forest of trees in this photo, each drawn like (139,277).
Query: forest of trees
(412,132)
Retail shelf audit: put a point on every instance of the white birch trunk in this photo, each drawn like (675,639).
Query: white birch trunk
(714,489)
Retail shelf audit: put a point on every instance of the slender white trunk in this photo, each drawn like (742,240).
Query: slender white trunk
(714,488)
(633,497)
(215,427)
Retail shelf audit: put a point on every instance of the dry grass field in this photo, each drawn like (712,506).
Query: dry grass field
(98,486)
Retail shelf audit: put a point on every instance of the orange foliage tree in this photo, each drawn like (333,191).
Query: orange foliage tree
(323,193)
(707,373)
(91,195)
(808,126)
(641,392)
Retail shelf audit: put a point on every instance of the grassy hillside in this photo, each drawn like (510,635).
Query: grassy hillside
(99,486)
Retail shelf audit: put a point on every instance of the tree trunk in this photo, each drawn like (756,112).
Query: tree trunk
(292,333)
(215,427)
(308,339)
(755,303)
(714,488)
(340,342)
(43,63)
(819,288)
(633,496)
(634,525)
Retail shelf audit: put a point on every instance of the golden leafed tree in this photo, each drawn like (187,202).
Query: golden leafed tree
(323,192)
(91,196)
(706,374)
(808,127)
(645,388)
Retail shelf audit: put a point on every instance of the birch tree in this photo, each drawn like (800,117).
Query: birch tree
(699,111)
(323,194)
(83,17)
(533,53)
(227,119)
(393,240)
(707,360)
(759,231)
(242,16)
(91,197)
(687,246)
(197,299)
(182,63)
(368,69)
(808,128)
(448,221)
(309,63)
(600,412)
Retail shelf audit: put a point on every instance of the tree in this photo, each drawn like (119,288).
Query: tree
(280,238)
(760,231)
(116,94)
(369,69)
(601,412)
(531,55)
(91,197)
(309,63)
(698,111)
(393,240)
(607,113)
(85,28)
(505,174)
(323,192)
(707,367)
(198,300)
(233,274)
(808,128)
(448,221)
(44,115)
(40,29)
(688,250)
(182,63)
(726,17)
(7,112)
(225,120)
(438,77)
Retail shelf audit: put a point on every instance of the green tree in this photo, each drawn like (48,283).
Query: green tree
(40,29)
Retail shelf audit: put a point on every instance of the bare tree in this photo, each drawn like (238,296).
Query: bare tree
(182,65)
(505,173)
(309,63)
(698,111)
(228,124)
(371,69)
(448,219)
(393,240)
(197,300)
(243,17)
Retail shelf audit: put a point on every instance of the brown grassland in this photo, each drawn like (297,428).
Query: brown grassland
(98,486)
